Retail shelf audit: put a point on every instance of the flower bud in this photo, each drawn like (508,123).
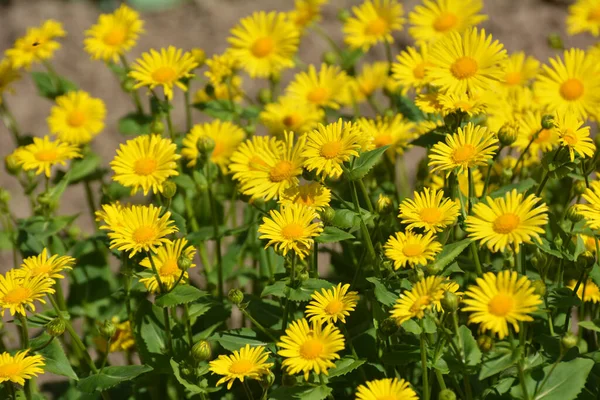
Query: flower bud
(275,77)
(548,122)
(199,56)
(384,204)
(74,232)
(169,189)
(558,241)
(447,394)
(184,263)
(449,301)
(201,351)
(11,164)
(579,187)
(555,41)
(4,196)
(343,15)
(44,198)
(433,269)
(236,296)
(507,136)
(157,126)
(265,96)
(205,145)
(389,113)
(250,128)
(267,380)
(128,85)
(569,341)
(573,214)
(107,329)
(507,174)
(388,327)
(201,182)
(586,260)
(327,215)
(485,343)
(56,327)
(330,58)
(209,90)
(539,287)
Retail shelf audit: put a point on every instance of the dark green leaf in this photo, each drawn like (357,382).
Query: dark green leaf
(182,294)
(344,366)
(408,108)
(350,57)
(472,353)
(237,338)
(591,325)
(51,86)
(365,162)
(276,289)
(308,287)
(190,387)
(300,392)
(383,295)
(134,124)
(111,376)
(54,356)
(498,360)
(220,109)
(331,234)
(449,253)
(521,187)
(428,139)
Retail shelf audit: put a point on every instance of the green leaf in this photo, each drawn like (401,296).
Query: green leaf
(237,338)
(179,222)
(111,377)
(189,386)
(83,168)
(345,366)
(220,109)
(408,108)
(350,57)
(303,392)
(383,295)
(331,234)
(150,335)
(51,86)
(591,325)
(134,124)
(428,139)
(402,354)
(182,294)
(521,187)
(54,356)
(498,360)
(365,162)
(308,287)
(276,289)
(469,346)
(449,253)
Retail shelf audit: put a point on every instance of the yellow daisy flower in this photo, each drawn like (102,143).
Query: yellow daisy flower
(48,267)
(145,162)
(468,104)
(77,117)
(36,46)
(305,12)
(410,70)
(8,75)
(429,104)
(519,70)
(111,215)
(18,292)
(291,228)
(499,300)
(165,69)
(374,21)
(395,131)
(411,249)
(437,182)
(166,261)
(530,124)
(588,241)
(246,161)
(312,195)
(372,77)
(246,363)
(324,89)
(221,67)
(332,304)
(226,136)
(436,19)
(571,86)
(287,114)
(221,91)
(470,147)
(509,220)
(587,291)
(429,210)
(414,302)
(388,388)
(574,136)
(43,154)
(264,43)
(584,16)
(591,211)
(467,63)
(114,34)
(311,347)
(20,367)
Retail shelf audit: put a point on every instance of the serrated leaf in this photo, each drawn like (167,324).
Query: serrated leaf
(408,108)
(51,86)
(428,139)
(331,234)
(382,294)
(54,356)
(276,289)
(521,187)
(472,354)
(111,377)
(449,254)
(182,294)
(365,162)
(308,287)
(237,338)
(345,366)
(189,386)
(498,360)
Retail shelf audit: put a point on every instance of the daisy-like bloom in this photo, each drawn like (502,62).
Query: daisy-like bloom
(468,104)
(77,117)
(437,182)
(409,249)
(246,363)
(166,260)
(111,215)
(384,203)
(530,124)
(165,68)
(499,300)
(374,21)
(20,367)
(37,45)
(591,211)
(332,304)
(372,77)
(519,70)
(226,136)
(247,159)
(221,67)
(587,291)
(311,347)
(49,267)
(288,114)
(414,302)
(574,136)
(436,19)
(43,154)
(468,62)
(396,132)
(429,103)
(8,75)
(312,195)
(392,389)
(509,220)
(231,90)
(114,34)
(571,86)
(145,162)
(18,293)
(264,43)
(471,146)
(410,70)
(292,228)
(141,228)
(584,16)
(429,210)
(325,88)
(329,146)
(305,12)
(588,241)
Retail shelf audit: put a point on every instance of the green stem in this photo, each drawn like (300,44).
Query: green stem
(127,284)
(587,181)
(365,231)
(315,261)
(258,325)
(9,121)
(215,224)
(542,184)
(520,367)
(134,93)
(353,350)
(60,297)
(471,190)
(440,379)
(105,355)
(188,111)
(388,54)
(247,390)
(161,285)
(522,155)
(475,254)
(25,346)
(286,310)
(403,178)
(188,324)
(168,330)
(365,194)
(425,373)
(89,196)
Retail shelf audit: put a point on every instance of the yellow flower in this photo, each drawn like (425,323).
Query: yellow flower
(587,291)
(111,215)
(122,340)
(388,388)
(291,228)
(221,67)
(165,69)
(468,104)
(467,63)
(324,89)
(530,124)
(372,77)
(114,34)
(429,210)
(77,117)
(312,195)
(509,220)
(264,43)
(411,249)
(141,228)
(145,162)
(414,302)
(591,211)
(584,16)
(519,70)
(384,203)
(43,154)
(374,21)
(588,241)
(436,19)
(8,75)
(310,348)
(410,71)
(574,136)
(18,293)
(20,367)
(499,300)
(331,304)
(305,12)
(226,136)
(246,161)
(166,261)
(396,132)
(42,265)
(329,146)
(429,103)
(37,45)
(470,147)
(221,91)
(287,114)
(245,363)
(571,86)
(437,182)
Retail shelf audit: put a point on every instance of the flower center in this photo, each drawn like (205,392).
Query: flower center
(419,71)
(292,120)
(513,78)
(570,137)
(431,215)
(594,15)
(9,370)
(164,74)
(17,295)
(262,47)
(281,171)
(464,153)
(311,349)
(292,231)
(144,234)
(377,27)
(169,268)
(46,155)
(318,95)
(419,304)
(571,89)
(506,223)
(445,22)
(76,118)
(382,140)
(145,166)
(240,367)
(463,68)
(543,136)
(501,304)
(115,37)
(334,307)
(331,149)
(412,250)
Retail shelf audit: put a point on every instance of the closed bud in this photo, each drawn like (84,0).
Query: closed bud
(201,182)
(303,276)
(539,287)
(44,198)
(539,260)
(205,145)
(209,90)
(265,95)
(450,301)
(384,204)
(580,187)
(169,189)
(507,136)
(388,327)
(447,394)
(157,126)
(450,120)
(4,196)
(184,263)
(128,85)
(56,327)
(327,215)
(201,351)
(558,241)
(573,214)
(74,232)
(343,15)
(485,343)
(107,329)
(569,341)
(586,260)
(199,56)
(275,77)
(267,380)
(11,164)
(507,174)
(389,113)
(250,128)
(330,58)
(548,122)
(555,41)
(236,296)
